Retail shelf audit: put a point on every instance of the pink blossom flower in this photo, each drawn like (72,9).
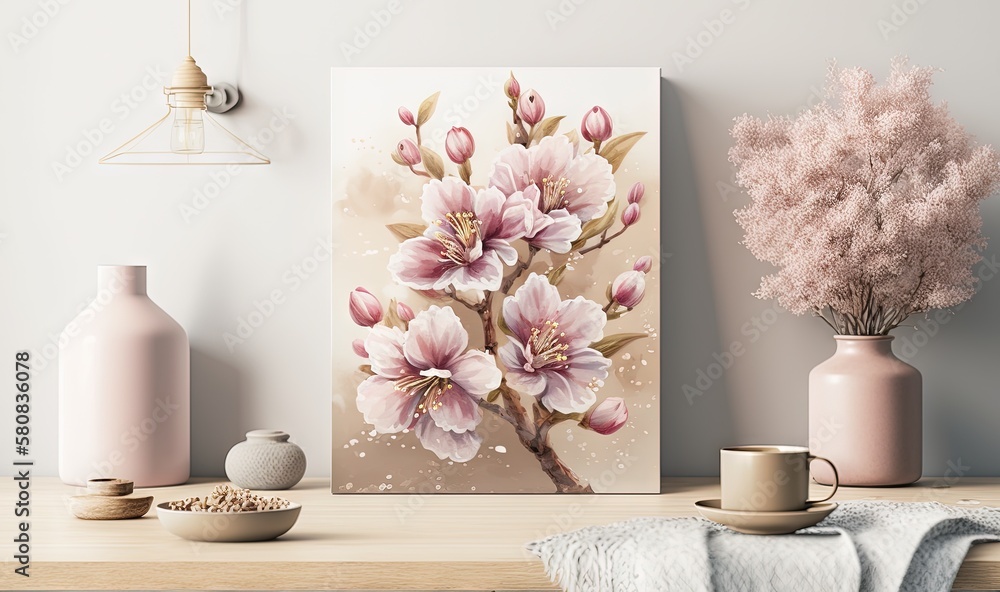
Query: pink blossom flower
(531,107)
(607,417)
(596,125)
(629,288)
(405,116)
(408,152)
(467,241)
(867,203)
(459,145)
(512,88)
(631,214)
(549,355)
(635,193)
(643,264)
(365,308)
(358,345)
(404,311)
(566,189)
(424,379)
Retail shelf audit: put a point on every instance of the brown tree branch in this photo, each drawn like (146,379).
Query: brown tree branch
(519,268)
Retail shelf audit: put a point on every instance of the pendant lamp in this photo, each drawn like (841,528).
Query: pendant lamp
(187,134)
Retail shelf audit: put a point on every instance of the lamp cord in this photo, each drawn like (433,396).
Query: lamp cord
(189,27)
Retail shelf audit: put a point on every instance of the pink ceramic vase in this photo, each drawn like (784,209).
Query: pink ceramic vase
(124,388)
(865,414)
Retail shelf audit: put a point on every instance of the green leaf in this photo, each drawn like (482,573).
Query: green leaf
(396,159)
(598,225)
(615,149)
(608,293)
(432,162)
(367,369)
(427,108)
(556,275)
(405,230)
(502,324)
(545,127)
(493,396)
(611,344)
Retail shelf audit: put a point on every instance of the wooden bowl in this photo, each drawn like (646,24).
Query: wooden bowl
(99,507)
(111,487)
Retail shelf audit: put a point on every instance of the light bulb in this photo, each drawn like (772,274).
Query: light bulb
(188,133)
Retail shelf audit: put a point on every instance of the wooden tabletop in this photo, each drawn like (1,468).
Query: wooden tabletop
(382,542)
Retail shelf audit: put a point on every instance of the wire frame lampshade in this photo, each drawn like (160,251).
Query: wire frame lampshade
(186,134)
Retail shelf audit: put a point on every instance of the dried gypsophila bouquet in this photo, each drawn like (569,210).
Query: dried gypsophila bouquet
(869,207)
(545,192)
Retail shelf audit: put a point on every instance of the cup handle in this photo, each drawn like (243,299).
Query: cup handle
(836,479)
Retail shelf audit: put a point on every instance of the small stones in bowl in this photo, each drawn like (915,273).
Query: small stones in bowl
(226,498)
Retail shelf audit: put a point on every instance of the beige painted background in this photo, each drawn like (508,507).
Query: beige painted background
(251,230)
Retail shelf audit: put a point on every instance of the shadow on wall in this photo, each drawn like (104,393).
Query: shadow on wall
(692,428)
(216,421)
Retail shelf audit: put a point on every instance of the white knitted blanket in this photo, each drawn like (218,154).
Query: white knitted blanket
(866,546)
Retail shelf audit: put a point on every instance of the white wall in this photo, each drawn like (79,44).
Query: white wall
(208,269)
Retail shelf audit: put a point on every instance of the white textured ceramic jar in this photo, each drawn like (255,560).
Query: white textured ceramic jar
(266,460)
(124,387)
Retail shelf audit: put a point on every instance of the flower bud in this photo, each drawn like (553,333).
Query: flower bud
(359,348)
(405,116)
(631,214)
(607,417)
(643,264)
(408,152)
(459,145)
(531,107)
(636,192)
(596,125)
(365,308)
(404,312)
(629,288)
(512,88)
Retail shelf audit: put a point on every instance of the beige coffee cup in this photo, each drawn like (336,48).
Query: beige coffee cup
(768,478)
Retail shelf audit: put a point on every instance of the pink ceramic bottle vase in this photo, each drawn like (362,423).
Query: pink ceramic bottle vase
(865,414)
(124,388)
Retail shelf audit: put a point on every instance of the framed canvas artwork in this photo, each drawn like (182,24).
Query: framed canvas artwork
(496,280)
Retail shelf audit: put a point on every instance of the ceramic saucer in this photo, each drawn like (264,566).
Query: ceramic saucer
(764,522)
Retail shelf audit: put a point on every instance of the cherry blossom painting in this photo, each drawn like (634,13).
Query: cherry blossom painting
(496,280)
